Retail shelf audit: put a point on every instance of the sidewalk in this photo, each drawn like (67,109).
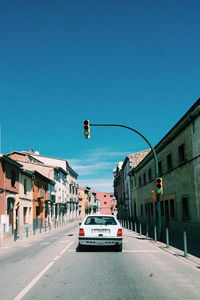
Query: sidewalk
(9,243)
(170,249)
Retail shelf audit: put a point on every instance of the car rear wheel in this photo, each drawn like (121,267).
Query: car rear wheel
(118,248)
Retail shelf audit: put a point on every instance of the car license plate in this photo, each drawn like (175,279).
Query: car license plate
(100,230)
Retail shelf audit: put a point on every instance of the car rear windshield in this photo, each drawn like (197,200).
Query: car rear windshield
(98,220)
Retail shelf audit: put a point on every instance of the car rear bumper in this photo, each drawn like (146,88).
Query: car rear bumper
(97,241)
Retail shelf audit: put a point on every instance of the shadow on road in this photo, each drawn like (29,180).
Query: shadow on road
(95,249)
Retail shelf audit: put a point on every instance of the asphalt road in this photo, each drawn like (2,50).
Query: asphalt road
(52,267)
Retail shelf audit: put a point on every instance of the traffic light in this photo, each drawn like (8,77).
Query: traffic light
(86,124)
(159,185)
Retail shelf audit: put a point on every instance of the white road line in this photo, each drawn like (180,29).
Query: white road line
(33,282)
(41,244)
(56,258)
(65,249)
(142,251)
(27,245)
(64,241)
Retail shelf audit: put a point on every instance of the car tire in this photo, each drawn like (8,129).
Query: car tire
(118,248)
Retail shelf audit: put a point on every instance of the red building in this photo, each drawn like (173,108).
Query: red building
(40,199)
(106,203)
(9,193)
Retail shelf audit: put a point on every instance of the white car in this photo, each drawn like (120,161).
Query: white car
(100,230)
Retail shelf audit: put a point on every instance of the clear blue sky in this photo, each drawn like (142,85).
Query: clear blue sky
(130,62)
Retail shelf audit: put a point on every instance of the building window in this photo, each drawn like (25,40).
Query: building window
(172,208)
(25,214)
(166,210)
(150,174)
(105,203)
(141,210)
(185,208)
(160,168)
(37,211)
(169,161)
(140,182)
(181,153)
(151,208)
(144,178)
(193,126)
(162,208)
(146,209)
(13,178)
(25,186)
(104,195)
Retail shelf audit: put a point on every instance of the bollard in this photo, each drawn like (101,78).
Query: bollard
(136,227)
(131,226)
(45,226)
(15,235)
(167,237)
(155,233)
(185,243)
(40,228)
(140,229)
(147,231)
(26,232)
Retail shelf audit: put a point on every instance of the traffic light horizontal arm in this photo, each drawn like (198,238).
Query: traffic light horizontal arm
(154,153)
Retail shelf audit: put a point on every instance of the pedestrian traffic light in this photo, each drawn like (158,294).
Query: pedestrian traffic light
(86,125)
(159,185)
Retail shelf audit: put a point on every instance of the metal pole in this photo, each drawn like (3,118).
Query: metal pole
(185,243)
(128,127)
(156,166)
(147,231)
(167,237)
(135,227)
(155,234)
(140,229)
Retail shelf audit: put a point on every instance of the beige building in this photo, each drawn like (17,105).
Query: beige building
(178,156)
(25,201)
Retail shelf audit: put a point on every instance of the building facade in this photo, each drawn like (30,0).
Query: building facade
(9,195)
(178,154)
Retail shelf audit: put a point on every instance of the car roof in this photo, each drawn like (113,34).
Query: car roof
(101,215)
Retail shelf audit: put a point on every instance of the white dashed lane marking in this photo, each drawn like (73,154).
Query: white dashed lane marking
(64,241)
(39,275)
(41,244)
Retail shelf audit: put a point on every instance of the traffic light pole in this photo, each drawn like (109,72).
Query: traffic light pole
(158,213)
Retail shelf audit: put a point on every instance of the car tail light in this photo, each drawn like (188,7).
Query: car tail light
(119,232)
(81,232)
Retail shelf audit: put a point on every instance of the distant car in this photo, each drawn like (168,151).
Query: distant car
(100,230)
